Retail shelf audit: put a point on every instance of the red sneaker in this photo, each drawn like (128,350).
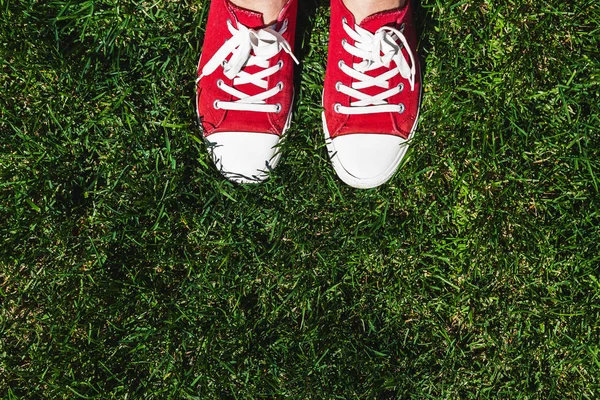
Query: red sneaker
(245,88)
(372,93)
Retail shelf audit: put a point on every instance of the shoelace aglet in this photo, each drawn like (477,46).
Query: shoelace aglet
(286,47)
(294,58)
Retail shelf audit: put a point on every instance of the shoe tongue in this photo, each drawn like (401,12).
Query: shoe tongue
(248,18)
(377,20)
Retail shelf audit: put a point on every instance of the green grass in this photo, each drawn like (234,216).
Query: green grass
(130,269)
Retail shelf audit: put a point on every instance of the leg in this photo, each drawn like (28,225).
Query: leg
(372,89)
(245,85)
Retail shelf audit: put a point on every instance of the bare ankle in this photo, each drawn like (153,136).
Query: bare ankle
(270,9)
(363,8)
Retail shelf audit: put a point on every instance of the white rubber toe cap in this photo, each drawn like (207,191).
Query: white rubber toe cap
(365,160)
(244,157)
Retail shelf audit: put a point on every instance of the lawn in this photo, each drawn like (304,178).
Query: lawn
(130,269)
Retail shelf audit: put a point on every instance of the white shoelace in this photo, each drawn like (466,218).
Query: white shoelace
(376,50)
(249,47)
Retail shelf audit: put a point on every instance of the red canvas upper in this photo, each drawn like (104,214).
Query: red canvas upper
(388,123)
(220,120)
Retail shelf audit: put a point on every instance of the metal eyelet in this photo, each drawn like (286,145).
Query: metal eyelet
(344,20)
(344,42)
(341,64)
(220,83)
(280,64)
(402,27)
(337,107)
(401,108)
(278,109)
(338,86)
(280,86)
(216,104)
(401,87)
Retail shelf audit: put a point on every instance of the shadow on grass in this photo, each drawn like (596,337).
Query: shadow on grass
(425,25)
(307,12)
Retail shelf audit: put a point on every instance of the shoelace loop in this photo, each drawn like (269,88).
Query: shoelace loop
(249,47)
(376,50)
